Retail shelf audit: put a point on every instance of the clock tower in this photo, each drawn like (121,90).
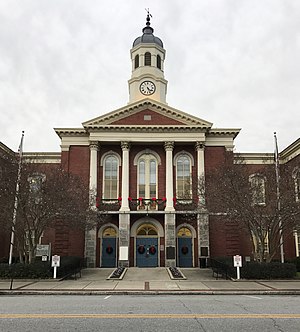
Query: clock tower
(147,57)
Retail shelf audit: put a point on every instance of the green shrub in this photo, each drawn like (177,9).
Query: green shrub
(256,270)
(40,270)
(273,270)
(296,261)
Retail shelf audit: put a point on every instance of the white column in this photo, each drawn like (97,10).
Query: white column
(124,218)
(93,172)
(170,229)
(296,243)
(169,146)
(91,235)
(200,158)
(202,216)
(200,173)
(125,176)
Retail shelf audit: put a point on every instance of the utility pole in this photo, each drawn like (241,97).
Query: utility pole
(12,239)
(278,197)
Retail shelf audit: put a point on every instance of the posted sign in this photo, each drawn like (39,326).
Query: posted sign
(237,261)
(55,261)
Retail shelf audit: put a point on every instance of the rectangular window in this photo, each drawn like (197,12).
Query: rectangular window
(297,188)
(298,247)
(110,187)
(147,177)
(183,177)
(257,184)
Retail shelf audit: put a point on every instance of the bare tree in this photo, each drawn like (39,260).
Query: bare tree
(48,195)
(247,194)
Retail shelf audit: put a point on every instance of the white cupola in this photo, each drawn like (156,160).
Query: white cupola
(147,57)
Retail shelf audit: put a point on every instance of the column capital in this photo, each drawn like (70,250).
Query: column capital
(199,146)
(125,145)
(169,146)
(94,145)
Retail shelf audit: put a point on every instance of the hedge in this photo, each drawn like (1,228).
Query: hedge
(40,270)
(256,270)
(273,270)
(296,261)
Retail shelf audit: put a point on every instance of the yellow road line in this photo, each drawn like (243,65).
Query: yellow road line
(150,316)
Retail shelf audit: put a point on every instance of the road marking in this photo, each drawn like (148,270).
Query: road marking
(107,297)
(253,297)
(151,316)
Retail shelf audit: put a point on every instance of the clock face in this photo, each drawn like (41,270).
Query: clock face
(147,88)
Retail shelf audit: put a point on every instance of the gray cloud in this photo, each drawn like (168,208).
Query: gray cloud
(234,63)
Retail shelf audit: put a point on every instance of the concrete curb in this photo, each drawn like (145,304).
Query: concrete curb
(151,292)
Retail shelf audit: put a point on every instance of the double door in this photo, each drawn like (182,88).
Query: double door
(147,252)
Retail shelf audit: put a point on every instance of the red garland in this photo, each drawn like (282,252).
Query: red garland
(141,249)
(152,250)
(185,250)
(109,250)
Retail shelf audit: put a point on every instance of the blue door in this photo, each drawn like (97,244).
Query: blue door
(185,257)
(109,252)
(146,252)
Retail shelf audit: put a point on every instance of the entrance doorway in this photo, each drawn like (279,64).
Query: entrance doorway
(185,246)
(147,246)
(108,248)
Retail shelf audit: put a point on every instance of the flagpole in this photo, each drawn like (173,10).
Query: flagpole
(278,198)
(12,239)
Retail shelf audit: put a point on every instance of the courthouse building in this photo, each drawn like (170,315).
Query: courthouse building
(142,162)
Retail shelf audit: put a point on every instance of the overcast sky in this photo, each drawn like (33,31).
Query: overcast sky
(235,63)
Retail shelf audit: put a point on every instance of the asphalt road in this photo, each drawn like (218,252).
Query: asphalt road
(150,313)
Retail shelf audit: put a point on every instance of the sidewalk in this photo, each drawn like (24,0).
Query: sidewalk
(150,281)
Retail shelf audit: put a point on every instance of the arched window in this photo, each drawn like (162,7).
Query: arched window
(147,176)
(147,59)
(183,177)
(136,61)
(146,230)
(109,232)
(257,186)
(158,61)
(111,178)
(184,232)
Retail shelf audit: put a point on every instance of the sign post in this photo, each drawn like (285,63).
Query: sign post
(237,262)
(55,264)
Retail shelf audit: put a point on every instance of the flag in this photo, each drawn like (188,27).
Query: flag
(276,156)
(20,149)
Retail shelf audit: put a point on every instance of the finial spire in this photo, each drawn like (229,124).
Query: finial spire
(148,29)
(148,17)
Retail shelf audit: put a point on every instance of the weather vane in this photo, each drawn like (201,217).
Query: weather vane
(148,12)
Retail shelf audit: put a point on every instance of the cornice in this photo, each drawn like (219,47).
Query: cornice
(255,158)
(70,132)
(42,157)
(153,105)
(290,152)
(145,128)
(232,132)
(6,149)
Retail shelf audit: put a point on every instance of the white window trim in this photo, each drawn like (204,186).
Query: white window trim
(296,175)
(102,163)
(176,157)
(149,157)
(258,175)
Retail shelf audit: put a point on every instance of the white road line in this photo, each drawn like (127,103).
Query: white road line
(107,297)
(253,297)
